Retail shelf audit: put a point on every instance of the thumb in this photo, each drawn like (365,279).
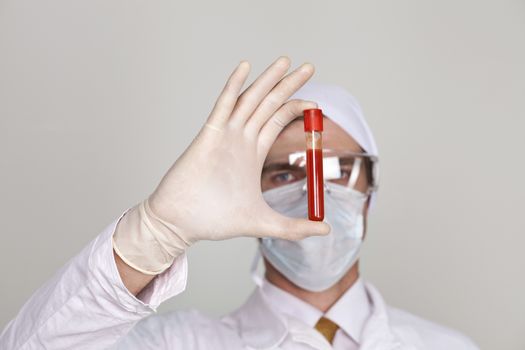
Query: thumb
(296,228)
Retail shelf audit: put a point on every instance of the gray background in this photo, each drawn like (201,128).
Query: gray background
(98,98)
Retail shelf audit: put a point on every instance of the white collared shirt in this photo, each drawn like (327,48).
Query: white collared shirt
(350,312)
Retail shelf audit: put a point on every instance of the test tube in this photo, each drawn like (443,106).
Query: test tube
(313,127)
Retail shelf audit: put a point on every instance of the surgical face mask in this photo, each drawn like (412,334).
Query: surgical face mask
(316,263)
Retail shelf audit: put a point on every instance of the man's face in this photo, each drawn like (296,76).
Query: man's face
(292,140)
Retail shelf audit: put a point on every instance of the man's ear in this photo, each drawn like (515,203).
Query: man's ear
(368,200)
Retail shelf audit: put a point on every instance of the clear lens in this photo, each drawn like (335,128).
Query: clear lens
(355,170)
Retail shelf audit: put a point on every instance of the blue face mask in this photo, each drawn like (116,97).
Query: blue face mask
(316,263)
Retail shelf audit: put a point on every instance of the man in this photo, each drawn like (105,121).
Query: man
(311,297)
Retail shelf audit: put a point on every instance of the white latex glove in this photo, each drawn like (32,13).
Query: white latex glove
(213,190)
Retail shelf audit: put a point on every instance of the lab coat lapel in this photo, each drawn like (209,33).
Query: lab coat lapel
(377,333)
(300,333)
(262,328)
(258,325)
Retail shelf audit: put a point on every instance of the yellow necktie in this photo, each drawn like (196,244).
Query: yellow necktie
(327,328)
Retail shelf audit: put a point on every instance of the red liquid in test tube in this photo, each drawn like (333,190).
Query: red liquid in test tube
(313,127)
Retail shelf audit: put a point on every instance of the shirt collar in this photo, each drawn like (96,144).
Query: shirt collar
(350,312)
(288,304)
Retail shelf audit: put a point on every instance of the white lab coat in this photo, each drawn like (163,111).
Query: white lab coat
(86,306)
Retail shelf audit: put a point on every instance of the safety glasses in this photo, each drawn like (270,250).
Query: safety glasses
(355,170)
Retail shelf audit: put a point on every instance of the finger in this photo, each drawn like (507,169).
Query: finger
(257,91)
(228,98)
(280,226)
(279,95)
(284,115)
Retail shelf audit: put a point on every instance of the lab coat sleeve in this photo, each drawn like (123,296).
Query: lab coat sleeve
(85,305)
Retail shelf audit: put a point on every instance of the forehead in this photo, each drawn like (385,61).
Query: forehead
(292,139)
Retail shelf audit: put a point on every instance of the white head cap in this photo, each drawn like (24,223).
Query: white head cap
(342,108)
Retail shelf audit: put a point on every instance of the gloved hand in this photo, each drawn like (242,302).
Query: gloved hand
(213,190)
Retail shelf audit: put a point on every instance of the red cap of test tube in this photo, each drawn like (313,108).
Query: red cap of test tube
(313,119)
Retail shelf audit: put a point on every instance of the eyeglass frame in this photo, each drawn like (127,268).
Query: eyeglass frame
(371,168)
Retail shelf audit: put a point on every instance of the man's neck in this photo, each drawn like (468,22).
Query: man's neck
(320,300)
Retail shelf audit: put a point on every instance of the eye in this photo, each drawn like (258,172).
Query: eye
(283,178)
